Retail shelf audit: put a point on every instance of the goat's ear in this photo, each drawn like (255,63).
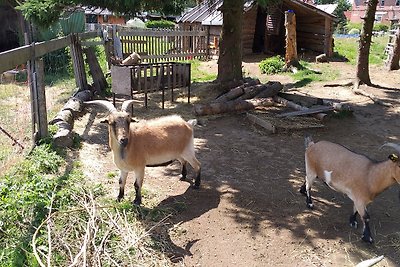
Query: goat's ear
(133,120)
(394,157)
(104,121)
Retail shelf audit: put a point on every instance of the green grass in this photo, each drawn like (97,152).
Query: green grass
(348,47)
(199,75)
(308,75)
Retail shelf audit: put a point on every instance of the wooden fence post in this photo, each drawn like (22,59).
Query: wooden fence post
(291,58)
(99,81)
(77,60)
(40,99)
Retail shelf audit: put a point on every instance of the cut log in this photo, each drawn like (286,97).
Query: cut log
(306,111)
(265,124)
(231,106)
(272,88)
(295,106)
(236,92)
(63,137)
(65,118)
(303,100)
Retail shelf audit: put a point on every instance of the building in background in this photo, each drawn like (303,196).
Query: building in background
(387,11)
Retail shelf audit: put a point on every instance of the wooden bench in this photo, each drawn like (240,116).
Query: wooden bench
(150,77)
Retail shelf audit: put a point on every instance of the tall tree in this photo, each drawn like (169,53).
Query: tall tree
(230,57)
(230,50)
(362,74)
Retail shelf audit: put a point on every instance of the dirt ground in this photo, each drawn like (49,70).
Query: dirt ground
(248,211)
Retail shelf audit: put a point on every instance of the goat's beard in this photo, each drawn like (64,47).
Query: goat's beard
(122,151)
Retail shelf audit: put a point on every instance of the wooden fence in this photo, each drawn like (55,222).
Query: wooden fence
(32,56)
(155,45)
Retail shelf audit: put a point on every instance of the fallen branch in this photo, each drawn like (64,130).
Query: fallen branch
(376,100)
(12,138)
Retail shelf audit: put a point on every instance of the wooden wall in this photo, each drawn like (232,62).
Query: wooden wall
(248,30)
(314,33)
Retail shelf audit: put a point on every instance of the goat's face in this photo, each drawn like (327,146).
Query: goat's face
(396,162)
(118,125)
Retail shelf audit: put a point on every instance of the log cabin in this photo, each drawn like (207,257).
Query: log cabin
(263,28)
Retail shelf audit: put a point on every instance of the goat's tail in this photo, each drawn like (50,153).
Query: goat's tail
(308,140)
(192,123)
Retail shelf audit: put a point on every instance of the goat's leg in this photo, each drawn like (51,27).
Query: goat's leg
(366,235)
(309,181)
(184,169)
(139,175)
(122,182)
(353,218)
(197,168)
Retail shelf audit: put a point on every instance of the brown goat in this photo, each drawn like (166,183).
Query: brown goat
(148,142)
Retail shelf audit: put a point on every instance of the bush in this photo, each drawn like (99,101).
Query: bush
(352,25)
(160,24)
(354,31)
(380,27)
(272,65)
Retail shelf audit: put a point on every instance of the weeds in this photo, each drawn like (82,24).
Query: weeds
(272,65)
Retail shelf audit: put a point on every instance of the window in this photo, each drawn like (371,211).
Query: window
(105,18)
(382,2)
(397,2)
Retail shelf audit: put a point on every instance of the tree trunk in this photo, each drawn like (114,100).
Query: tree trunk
(394,56)
(362,75)
(291,59)
(230,56)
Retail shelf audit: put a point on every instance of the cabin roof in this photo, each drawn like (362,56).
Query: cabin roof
(208,12)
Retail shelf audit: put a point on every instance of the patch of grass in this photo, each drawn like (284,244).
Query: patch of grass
(348,48)
(198,75)
(307,75)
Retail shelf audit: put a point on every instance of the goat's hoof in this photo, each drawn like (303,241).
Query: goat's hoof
(137,202)
(367,239)
(119,199)
(354,224)
(310,206)
(183,178)
(196,186)
(303,190)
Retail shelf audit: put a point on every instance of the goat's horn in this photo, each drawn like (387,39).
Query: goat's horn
(127,104)
(103,103)
(392,145)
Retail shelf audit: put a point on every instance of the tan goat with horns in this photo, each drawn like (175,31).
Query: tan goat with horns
(148,142)
(360,178)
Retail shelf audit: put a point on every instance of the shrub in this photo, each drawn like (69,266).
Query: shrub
(272,65)
(352,25)
(160,24)
(354,31)
(380,27)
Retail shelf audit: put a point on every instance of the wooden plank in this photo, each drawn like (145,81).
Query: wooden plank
(306,112)
(89,35)
(12,58)
(263,123)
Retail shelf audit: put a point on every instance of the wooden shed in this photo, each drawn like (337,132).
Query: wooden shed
(264,29)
